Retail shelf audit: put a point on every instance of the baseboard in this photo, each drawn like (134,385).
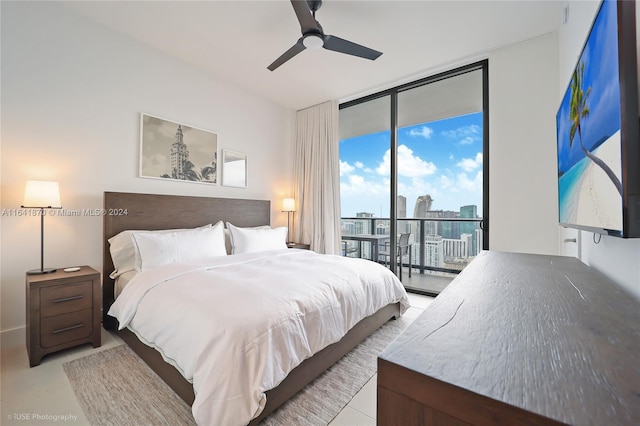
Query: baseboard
(13,337)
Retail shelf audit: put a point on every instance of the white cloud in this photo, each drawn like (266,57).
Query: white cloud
(409,165)
(461,183)
(470,164)
(424,132)
(465,184)
(466,135)
(345,168)
(466,141)
(417,186)
(356,180)
(464,131)
(446,182)
(356,185)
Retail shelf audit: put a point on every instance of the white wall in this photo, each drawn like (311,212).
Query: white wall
(72,93)
(522,163)
(617,258)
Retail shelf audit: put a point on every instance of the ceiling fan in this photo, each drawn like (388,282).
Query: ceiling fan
(313,37)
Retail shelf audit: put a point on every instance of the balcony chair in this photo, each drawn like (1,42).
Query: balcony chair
(404,248)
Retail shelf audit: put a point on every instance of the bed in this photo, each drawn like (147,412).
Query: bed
(129,211)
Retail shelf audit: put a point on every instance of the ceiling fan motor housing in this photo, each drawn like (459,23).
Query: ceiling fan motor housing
(313,41)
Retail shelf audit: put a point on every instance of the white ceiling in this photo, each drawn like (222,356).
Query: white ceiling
(235,41)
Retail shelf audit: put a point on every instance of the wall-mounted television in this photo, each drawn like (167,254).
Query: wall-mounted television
(598,135)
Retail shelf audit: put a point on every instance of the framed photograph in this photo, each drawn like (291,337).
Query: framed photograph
(170,150)
(234,168)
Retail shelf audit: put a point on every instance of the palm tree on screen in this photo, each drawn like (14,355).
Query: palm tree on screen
(578,110)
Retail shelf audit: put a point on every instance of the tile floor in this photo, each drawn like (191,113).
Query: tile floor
(42,395)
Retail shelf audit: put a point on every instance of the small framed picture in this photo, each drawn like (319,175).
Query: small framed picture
(175,151)
(234,168)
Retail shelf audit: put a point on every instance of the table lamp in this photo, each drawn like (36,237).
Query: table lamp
(289,206)
(40,194)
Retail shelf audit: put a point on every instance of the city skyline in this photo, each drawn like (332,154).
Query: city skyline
(442,158)
(401,206)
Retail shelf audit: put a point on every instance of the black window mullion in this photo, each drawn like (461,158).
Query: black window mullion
(393,226)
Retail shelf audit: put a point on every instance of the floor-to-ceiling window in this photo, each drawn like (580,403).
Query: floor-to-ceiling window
(365,188)
(414,160)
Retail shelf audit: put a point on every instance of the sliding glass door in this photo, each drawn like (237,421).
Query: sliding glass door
(365,190)
(414,165)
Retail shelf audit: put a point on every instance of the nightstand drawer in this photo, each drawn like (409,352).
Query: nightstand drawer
(66,328)
(62,299)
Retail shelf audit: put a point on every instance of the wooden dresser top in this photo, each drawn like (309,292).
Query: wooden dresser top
(546,334)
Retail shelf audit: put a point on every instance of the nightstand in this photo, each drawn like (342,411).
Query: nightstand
(63,310)
(300,246)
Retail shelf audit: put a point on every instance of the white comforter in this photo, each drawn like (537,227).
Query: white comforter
(235,326)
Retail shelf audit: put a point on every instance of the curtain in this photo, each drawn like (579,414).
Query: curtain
(316,178)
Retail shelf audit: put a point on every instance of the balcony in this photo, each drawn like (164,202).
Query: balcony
(439,247)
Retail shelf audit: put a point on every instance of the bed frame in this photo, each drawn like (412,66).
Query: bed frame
(152,212)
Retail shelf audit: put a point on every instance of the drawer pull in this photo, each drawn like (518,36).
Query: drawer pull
(67,299)
(73,327)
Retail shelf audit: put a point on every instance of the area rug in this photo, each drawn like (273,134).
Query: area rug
(115,387)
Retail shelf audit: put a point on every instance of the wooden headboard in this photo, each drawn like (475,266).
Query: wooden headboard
(125,211)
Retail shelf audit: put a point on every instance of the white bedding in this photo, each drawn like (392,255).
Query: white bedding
(235,326)
(122,281)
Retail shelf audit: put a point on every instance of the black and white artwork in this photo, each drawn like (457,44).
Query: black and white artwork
(170,150)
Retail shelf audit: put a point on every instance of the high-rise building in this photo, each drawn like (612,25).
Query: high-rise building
(408,226)
(348,227)
(364,226)
(401,206)
(457,249)
(179,155)
(447,229)
(433,251)
(382,228)
(423,205)
(430,227)
(470,212)
(478,241)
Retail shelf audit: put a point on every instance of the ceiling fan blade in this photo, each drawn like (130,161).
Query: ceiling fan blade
(305,17)
(338,44)
(293,51)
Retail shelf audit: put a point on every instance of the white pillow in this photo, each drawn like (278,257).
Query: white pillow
(124,252)
(201,243)
(248,240)
(227,237)
(156,249)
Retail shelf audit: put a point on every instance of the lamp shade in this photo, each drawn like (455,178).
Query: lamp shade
(42,194)
(288,205)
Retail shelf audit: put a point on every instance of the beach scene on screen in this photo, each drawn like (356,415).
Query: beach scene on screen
(588,124)
(585,194)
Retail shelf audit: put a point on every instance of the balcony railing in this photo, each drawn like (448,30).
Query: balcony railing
(438,244)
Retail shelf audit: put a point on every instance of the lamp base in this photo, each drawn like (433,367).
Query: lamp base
(41,271)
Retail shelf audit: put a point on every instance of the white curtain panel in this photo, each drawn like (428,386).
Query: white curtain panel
(316,178)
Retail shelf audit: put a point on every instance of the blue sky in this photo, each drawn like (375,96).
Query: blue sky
(600,57)
(441,158)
